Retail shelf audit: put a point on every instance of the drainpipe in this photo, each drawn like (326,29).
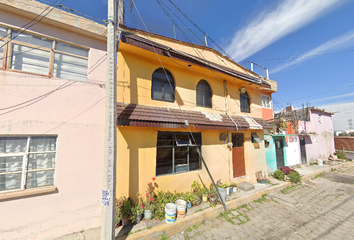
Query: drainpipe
(228,132)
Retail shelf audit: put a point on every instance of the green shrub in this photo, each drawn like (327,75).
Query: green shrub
(278,174)
(341,155)
(294,177)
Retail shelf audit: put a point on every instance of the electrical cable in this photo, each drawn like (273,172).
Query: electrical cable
(24,26)
(27,27)
(195,143)
(303,56)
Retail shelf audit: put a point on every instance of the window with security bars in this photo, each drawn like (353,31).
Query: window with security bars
(177,152)
(25,52)
(27,162)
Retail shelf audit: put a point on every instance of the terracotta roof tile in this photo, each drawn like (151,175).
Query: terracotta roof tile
(149,116)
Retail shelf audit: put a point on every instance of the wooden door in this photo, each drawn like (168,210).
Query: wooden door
(238,157)
(279,152)
(303,151)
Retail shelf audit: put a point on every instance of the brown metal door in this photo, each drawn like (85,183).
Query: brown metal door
(238,157)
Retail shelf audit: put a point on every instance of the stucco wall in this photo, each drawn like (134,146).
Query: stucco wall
(75,114)
(270,154)
(255,157)
(135,74)
(320,141)
(137,161)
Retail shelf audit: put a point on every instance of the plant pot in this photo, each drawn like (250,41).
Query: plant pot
(227,191)
(138,218)
(147,214)
(205,198)
(262,181)
(125,221)
(222,192)
(231,190)
(234,189)
(189,204)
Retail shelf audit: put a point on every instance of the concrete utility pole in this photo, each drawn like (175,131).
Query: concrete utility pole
(110,147)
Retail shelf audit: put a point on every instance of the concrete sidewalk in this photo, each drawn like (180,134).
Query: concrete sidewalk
(153,229)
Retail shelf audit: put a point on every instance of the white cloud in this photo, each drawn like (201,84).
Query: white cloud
(335,44)
(267,28)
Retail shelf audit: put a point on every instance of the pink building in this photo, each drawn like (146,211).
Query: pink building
(317,132)
(52,107)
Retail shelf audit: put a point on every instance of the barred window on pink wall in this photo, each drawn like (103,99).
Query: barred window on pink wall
(31,53)
(27,162)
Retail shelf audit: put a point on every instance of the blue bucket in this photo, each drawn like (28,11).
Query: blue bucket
(170,212)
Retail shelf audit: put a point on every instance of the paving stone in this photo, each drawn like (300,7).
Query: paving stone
(314,211)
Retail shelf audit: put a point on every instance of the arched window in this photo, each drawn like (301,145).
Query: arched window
(163,86)
(245,102)
(204,94)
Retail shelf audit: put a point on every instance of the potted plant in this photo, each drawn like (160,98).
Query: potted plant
(233,187)
(205,193)
(188,198)
(126,211)
(227,187)
(222,191)
(196,200)
(197,189)
(150,198)
(138,209)
(261,178)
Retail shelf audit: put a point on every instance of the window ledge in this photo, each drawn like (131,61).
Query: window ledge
(27,193)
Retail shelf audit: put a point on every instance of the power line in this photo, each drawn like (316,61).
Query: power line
(27,27)
(198,150)
(303,56)
(336,89)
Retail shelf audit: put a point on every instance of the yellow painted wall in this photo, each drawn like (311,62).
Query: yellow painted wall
(254,155)
(136,164)
(136,157)
(197,51)
(135,70)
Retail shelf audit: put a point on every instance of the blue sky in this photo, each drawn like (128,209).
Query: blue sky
(264,30)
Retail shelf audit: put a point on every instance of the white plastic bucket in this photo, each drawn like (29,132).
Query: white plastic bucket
(170,212)
(181,208)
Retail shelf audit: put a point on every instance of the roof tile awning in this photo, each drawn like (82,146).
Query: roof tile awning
(138,41)
(149,116)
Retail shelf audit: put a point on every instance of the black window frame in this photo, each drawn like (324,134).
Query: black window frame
(201,91)
(245,103)
(174,143)
(167,82)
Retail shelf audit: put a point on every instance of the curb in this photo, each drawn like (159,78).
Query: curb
(209,213)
